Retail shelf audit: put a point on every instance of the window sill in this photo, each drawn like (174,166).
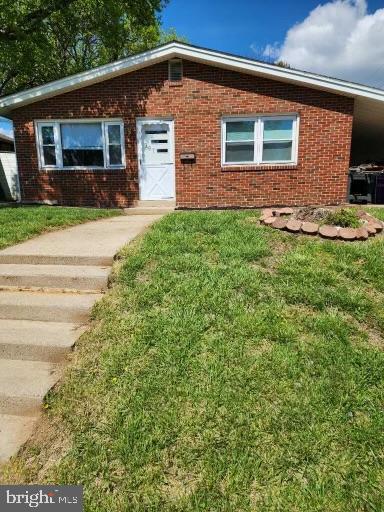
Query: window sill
(175,84)
(258,167)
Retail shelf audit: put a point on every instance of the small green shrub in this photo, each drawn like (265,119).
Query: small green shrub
(345,217)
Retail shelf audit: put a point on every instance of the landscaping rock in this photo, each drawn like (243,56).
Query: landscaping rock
(294,225)
(308,221)
(285,211)
(309,228)
(367,216)
(371,229)
(280,223)
(328,232)
(362,234)
(348,234)
(377,225)
(269,221)
(267,212)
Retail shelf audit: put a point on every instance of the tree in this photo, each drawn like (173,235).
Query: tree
(283,64)
(21,23)
(44,40)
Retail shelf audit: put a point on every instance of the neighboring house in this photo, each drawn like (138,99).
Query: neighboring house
(9,182)
(205,128)
(7,144)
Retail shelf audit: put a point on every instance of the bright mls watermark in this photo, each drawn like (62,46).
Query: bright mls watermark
(47,498)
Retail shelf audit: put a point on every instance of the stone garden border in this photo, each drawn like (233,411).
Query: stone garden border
(283,219)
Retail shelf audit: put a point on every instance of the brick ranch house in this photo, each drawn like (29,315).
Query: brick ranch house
(201,127)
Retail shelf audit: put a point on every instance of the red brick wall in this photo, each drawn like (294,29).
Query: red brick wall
(197,105)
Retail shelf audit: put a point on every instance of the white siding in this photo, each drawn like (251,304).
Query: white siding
(9,179)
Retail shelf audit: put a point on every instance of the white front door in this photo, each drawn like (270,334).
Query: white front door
(155,148)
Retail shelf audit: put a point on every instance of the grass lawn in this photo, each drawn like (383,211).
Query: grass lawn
(230,368)
(18,224)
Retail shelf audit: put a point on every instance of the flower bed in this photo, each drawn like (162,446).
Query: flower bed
(312,221)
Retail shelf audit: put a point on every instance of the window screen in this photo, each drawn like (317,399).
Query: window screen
(175,70)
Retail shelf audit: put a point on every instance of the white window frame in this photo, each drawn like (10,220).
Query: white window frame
(258,139)
(40,145)
(59,155)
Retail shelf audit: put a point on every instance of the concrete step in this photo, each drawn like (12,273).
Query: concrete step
(37,341)
(48,259)
(14,432)
(91,243)
(170,203)
(54,276)
(48,307)
(149,210)
(24,384)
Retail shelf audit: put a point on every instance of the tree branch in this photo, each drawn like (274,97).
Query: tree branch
(32,20)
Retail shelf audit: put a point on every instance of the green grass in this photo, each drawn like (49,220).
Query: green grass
(18,224)
(375,211)
(230,368)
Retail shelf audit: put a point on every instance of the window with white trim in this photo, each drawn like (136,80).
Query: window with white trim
(260,140)
(80,144)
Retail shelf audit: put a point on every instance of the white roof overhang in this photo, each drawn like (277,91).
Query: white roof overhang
(369,101)
(182,50)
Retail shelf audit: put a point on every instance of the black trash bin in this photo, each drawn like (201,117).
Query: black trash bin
(359,188)
(379,189)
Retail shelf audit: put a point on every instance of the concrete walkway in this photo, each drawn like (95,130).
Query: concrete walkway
(47,288)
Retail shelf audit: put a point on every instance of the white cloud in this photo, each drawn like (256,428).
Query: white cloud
(341,39)
(271,51)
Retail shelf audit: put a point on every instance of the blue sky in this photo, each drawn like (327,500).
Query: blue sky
(235,25)
(341,38)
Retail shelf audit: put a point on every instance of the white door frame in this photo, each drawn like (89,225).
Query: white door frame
(140,122)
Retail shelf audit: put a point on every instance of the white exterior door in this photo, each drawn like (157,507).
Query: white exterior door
(156,159)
